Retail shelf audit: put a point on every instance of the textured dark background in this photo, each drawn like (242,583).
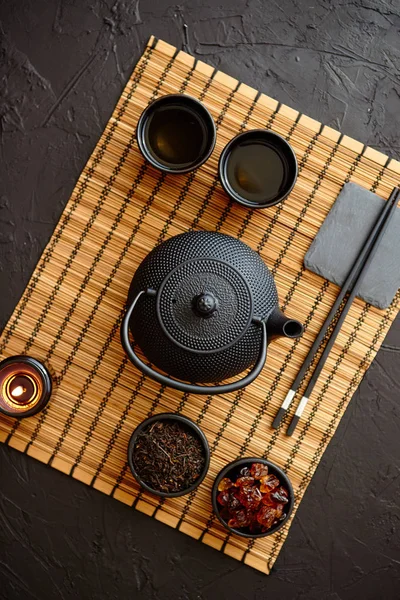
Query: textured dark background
(62,68)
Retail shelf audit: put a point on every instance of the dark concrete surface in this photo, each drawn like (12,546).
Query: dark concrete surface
(62,68)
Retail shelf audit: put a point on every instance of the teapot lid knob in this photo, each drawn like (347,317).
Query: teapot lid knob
(205,304)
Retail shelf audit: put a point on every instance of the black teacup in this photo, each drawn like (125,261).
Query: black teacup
(176,133)
(258,168)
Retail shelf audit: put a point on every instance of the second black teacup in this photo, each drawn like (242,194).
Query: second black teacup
(258,168)
(176,133)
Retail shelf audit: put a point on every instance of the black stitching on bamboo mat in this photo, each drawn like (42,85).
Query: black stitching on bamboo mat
(280,207)
(99,412)
(104,194)
(214,184)
(247,219)
(119,479)
(95,262)
(89,320)
(306,206)
(354,165)
(84,389)
(248,550)
(326,385)
(188,77)
(213,187)
(117,429)
(336,366)
(117,322)
(182,403)
(65,219)
(208,85)
(380,175)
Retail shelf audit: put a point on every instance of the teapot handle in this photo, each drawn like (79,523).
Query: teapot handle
(190,388)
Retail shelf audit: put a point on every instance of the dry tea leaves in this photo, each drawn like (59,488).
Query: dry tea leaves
(168,456)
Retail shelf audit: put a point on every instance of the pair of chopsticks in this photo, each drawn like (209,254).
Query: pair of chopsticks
(350,287)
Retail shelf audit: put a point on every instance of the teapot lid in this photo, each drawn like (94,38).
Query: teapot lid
(204,305)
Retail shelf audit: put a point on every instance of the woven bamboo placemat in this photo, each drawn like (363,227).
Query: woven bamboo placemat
(70,313)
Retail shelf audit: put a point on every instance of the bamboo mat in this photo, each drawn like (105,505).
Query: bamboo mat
(70,313)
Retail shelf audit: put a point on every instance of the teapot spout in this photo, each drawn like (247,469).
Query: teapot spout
(278,325)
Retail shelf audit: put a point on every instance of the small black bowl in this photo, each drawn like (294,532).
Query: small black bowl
(190,425)
(176,133)
(258,168)
(232,471)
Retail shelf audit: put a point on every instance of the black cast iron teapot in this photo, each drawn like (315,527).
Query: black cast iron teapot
(202,306)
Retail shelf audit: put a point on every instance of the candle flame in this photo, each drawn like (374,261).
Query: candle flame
(18,391)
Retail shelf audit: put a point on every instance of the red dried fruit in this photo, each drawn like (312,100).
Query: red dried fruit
(258,470)
(280,495)
(256,499)
(241,519)
(250,497)
(233,503)
(267,500)
(268,483)
(225,484)
(223,498)
(266,516)
(245,480)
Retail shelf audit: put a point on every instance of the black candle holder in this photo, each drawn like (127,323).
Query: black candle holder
(25,386)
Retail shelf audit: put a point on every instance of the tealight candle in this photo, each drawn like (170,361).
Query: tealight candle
(25,386)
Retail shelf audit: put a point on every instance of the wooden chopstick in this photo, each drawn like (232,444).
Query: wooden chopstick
(350,286)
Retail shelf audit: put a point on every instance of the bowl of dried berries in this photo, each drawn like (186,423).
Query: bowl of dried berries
(252,497)
(168,455)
